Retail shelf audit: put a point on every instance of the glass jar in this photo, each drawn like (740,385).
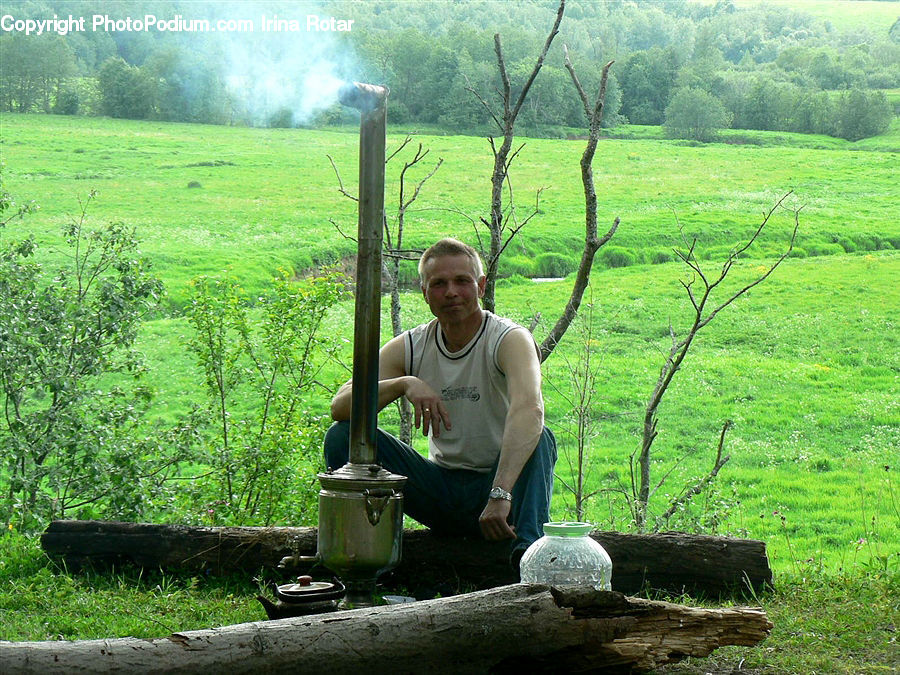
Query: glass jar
(566,555)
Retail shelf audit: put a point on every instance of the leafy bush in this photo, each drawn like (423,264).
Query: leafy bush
(265,446)
(847,244)
(67,103)
(821,248)
(514,280)
(517,265)
(553,265)
(695,114)
(662,255)
(69,443)
(860,114)
(617,256)
(283,118)
(864,241)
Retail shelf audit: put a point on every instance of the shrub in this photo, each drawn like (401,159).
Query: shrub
(514,280)
(861,241)
(847,244)
(283,118)
(860,114)
(519,264)
(617,256)
(68,440)
(264,450)
(662,255)
(67,103)
(821,248)
(553,265)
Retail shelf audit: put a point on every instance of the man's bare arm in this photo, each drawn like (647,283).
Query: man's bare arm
(393,382)
(524,424)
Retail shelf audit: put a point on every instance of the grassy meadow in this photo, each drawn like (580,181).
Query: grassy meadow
(845,15)
(252,200)
(805,366)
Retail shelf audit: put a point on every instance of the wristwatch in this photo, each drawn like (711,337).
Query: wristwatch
(499,493)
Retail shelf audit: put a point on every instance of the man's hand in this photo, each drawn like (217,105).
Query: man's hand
(430,412)
(493,520)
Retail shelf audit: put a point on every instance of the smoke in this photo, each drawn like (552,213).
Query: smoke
(285,72)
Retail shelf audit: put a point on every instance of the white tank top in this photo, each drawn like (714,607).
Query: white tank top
(472,387)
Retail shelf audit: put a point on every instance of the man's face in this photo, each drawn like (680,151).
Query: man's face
(451,287)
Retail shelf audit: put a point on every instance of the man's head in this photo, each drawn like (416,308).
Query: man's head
(452,280)
(449,246)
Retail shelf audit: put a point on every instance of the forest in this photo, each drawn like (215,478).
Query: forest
(738,65)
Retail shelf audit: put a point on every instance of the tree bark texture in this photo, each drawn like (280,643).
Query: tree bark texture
(517,628)
(672,562)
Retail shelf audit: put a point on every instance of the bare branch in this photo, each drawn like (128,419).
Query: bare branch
(765,220)
(666,475)
(340,231)
(406,141)
(581,93)
(540,62)
(408,254)
(679,350)
(506,123)
(537,206)
(422,182)
(340,182)
(591,242)
(504,76)
(759,279)
(469,88)
(704,482)
(513,156)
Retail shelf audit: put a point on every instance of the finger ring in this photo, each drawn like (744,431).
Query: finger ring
(426,409)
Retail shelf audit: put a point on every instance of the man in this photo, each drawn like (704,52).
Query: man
(474,382)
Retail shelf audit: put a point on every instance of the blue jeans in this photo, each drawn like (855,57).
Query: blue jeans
(449,501)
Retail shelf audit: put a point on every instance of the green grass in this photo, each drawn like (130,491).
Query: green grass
(806,365)
(844,15)
(834,623)
(814,405)
(267,196)
(41,601)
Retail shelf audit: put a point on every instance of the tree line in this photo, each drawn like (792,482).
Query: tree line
(764,67)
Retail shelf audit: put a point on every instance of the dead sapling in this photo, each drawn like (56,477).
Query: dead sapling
(503,225)
(700,288)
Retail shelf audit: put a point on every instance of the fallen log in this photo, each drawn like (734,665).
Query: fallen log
(517,628)
(671,562)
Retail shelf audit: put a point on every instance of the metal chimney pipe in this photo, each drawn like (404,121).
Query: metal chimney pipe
(370,101)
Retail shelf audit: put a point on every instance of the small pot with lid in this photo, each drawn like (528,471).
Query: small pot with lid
(304,596)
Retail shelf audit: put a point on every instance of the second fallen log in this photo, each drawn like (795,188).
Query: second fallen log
(672,562)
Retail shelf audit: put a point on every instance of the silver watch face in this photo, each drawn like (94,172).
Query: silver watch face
(500,493)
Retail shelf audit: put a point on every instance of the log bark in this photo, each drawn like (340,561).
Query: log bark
(517,628)
(671,562)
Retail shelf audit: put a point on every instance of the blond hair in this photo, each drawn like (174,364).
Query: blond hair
(450,246)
